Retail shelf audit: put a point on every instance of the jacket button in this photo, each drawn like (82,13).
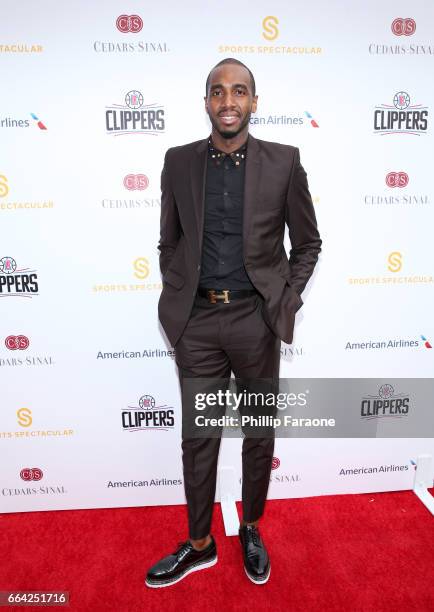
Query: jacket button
(198,267)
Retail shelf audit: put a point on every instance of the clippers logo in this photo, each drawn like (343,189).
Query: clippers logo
(406,119)
(270,29)
(275,463)
(426,342)
(134,117)
(31,474)
(135,182)
(134,99)
(39,123)
(147,415)
(8,265)
(385,404)
(16,282)
(403,26)
(129,23)
(397,179)
(312,120)
(147,401)
(4,188)
(17,343)
(401,100)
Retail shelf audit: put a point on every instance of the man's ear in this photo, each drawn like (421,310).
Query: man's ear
(206,103)
(254,104)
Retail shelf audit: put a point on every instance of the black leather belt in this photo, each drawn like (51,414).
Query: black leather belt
(224,295)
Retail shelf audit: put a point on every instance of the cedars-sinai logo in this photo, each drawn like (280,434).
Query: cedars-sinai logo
(17,343)
(134,182)
(28,474)
(148,415)
(403,26)
(397,179)
(17,282)
(275,463)
(402,41)
(129,24)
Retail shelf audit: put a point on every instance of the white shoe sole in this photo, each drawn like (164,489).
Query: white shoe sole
(195,568)
(258,581)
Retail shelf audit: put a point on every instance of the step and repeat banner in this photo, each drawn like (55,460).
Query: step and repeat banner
(92,96)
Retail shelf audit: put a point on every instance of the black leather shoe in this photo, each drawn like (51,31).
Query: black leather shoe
(256,562)
(183,561)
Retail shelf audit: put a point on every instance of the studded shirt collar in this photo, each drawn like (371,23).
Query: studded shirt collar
(238,157)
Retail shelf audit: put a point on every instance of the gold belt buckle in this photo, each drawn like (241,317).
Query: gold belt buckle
(213,296)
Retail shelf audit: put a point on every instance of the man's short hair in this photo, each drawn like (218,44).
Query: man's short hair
(232,60)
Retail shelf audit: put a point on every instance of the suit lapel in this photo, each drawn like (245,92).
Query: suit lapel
(251,185)
(198,177)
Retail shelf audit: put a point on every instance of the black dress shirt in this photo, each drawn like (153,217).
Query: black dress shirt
(222,265)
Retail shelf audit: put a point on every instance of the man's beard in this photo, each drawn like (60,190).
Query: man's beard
(232,134)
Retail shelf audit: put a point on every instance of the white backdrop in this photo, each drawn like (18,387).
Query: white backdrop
(86,346)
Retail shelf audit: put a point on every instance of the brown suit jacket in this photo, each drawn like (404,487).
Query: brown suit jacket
(276,192)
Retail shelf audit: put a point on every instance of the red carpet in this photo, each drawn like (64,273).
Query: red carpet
(348,553)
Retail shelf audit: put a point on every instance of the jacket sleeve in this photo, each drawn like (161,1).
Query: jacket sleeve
(170,226)
(303,232)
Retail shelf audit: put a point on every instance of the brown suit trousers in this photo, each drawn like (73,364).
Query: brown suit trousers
(220,338)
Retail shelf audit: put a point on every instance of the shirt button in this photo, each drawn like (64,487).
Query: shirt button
(225,193)
(198,267)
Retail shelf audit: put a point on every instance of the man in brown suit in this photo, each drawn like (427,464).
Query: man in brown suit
(230,293)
